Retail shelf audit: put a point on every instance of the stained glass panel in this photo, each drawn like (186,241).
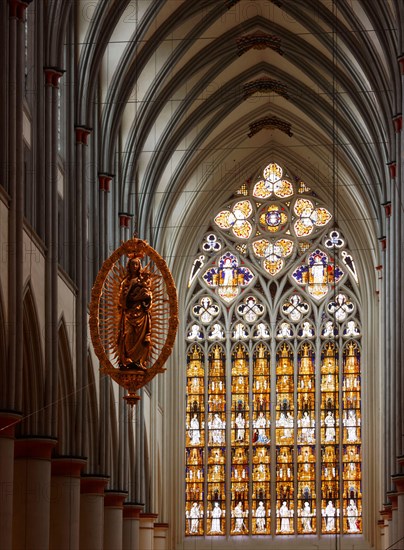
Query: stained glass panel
(285,424)
(330,489)
(261,393)
(195,440)
(240,468)
(294,469)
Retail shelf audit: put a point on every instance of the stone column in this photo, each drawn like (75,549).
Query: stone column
(8,422)
(399,482)
(146,531)
(65,503)
(32,480)
(92,512)
(393,497)
(131,513)
(386,515)
(160,536)
(113,519)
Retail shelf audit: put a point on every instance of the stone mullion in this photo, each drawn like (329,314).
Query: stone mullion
(51,261)
(81,282)
(4,69)
(16,182)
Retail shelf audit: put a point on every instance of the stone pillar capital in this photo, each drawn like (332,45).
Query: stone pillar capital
(393,498)
(400,60)
(39,448)
(94,485)
(387,208)
(52,76)
(68,466)
(387,512)
(105,181)
(8,422)
(392,169)
(383,242)
(124,219)
(115,499)
(132,510)
(82,133)
(18,7)
(398,480)
(398,123)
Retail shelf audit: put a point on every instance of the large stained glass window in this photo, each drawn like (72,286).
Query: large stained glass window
(273,369)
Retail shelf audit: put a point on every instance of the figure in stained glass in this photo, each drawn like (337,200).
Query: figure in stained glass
(306,518)
(329,422)
(350,422)
(216,515)
(285,514)
(228,277)
(352,516)
(260,514)
(329,514)
(239,514)
(240,424)
(195,514)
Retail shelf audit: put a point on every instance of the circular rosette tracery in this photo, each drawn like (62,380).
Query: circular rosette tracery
(133,315)
(273,253)
(236,219)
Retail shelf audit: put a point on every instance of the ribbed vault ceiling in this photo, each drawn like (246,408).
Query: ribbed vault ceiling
(194,98)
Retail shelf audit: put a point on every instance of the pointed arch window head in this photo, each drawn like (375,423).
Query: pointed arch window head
(273,369)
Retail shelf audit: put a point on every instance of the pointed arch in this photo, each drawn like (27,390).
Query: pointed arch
(92,421)
(66,396)
(32,372)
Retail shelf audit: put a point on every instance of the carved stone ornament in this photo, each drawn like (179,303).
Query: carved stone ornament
(133,315)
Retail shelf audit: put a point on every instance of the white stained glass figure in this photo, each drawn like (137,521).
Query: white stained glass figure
(329,514)
(195,333)
(287,422)
(260,514)
(351,329)
(329,422)
(259,424)
(216,515)
(238,514)
(350,422)
(306,330)
(328,330)
(306,518)
(194,432)
(261,331)
(239,332)
(217,427)
(216,333)
(285,514)
(352,516)
(195,514)
(284,331)
(307,425)
(240,423)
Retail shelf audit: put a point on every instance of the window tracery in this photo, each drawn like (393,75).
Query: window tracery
(273,421)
